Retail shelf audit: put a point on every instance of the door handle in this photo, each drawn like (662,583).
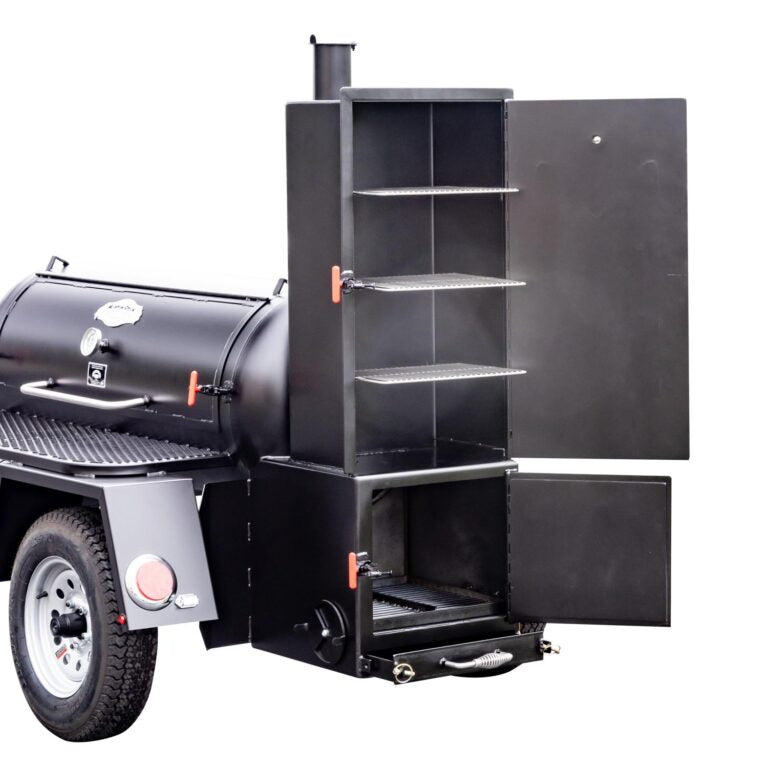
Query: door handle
(45,389)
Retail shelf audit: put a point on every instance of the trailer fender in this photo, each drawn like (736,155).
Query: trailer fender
(146,519)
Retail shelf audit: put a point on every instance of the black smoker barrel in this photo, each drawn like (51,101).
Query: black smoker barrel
(78,355)
(333,68)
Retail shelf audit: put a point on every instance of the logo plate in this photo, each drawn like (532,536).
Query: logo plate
(97,375)
(117,313)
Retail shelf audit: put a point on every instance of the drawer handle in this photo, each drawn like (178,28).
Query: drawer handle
(488,661)
(44,389)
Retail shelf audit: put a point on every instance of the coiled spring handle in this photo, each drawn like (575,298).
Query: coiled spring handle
(488,661)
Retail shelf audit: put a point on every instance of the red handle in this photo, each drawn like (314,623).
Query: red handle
(192,392)
(336,285)
(352,570)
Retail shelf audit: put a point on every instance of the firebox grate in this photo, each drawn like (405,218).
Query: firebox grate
(384,609)
(417,603)
(77,448)
(416,597)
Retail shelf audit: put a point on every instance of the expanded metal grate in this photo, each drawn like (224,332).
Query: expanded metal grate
(41,441)
(444,281)
(414,374)
(429,191)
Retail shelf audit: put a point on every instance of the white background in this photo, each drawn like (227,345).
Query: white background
(149,135)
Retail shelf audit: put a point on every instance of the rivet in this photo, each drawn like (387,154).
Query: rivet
(597,139)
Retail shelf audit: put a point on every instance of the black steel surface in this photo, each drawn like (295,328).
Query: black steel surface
(314,245)
(589,549)
(235,343)
(224,524)
(599,235)
(303,524)
(21,503)
(65,446)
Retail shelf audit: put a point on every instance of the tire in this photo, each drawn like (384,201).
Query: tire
(87,686)
(524,629)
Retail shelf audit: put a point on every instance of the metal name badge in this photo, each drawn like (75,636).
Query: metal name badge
(97,375)
(117,313)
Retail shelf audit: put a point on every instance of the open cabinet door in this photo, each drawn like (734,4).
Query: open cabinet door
(599,234)
(589,549)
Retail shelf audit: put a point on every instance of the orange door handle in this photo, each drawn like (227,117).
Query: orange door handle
(336,285)
(192,391)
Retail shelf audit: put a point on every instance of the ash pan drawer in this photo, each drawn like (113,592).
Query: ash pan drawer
(476,658)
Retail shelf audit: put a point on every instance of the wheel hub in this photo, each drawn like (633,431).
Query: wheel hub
(69,625)
(56,627)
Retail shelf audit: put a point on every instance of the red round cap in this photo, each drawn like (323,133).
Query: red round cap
(155,581)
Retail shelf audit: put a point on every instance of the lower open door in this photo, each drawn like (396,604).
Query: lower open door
(589,549)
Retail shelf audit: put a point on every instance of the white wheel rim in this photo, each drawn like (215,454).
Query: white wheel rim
(60,663)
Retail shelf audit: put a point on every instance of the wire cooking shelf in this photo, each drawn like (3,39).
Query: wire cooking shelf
(435,282)
(427,191)
(413,374)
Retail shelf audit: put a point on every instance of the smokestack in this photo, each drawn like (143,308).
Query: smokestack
(333,68)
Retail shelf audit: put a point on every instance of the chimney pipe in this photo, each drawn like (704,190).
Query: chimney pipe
(333,68)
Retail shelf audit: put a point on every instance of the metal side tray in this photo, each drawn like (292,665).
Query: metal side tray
(477,658)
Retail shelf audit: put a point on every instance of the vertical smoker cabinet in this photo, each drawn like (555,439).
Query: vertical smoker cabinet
(474,279)
(516,279)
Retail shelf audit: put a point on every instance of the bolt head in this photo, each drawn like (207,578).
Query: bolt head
(597,139)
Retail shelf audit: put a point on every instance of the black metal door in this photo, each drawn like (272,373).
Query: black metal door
(599,234)
(588,549)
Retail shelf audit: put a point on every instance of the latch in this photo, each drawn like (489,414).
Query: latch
(359,564)
(215,391)
(545,646)
(212,390)
(343,282)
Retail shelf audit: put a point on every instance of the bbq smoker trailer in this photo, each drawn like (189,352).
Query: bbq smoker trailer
(330,477)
